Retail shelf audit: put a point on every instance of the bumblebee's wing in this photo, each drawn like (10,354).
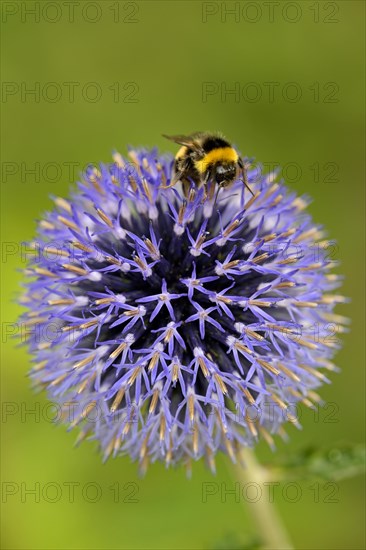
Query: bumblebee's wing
(192,141)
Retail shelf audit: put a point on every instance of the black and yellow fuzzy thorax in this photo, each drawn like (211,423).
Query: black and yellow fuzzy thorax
(216,150)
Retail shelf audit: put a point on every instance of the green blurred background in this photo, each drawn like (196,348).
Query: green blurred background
(162,55)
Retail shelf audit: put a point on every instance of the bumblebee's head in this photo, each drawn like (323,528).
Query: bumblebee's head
(225,174)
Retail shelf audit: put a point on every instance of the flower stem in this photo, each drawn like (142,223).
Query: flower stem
(271,530)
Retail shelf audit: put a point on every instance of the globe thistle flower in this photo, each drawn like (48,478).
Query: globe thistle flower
(174,326)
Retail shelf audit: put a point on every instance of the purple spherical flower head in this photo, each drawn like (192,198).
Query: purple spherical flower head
(170,328)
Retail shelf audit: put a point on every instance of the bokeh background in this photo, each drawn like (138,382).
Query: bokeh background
(139,69)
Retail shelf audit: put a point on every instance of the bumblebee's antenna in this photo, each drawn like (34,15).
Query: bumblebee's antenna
(247,186)
(245,181)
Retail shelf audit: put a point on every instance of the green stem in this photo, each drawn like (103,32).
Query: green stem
(271,530)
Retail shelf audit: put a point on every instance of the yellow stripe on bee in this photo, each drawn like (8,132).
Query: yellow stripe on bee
(181,153)
(220,154)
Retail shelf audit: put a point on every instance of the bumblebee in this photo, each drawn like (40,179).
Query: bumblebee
(206,158)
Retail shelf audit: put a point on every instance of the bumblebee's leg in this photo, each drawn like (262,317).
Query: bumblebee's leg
(208,193)
(180,169)
(217,193)
(244,175)
(176,177)
(186,187)
(211,191)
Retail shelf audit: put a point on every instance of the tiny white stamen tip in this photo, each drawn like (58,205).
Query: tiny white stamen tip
(142,310)
(86,221)
(198,352)
(221,242)
(141,207)
(121,298)
(271,177)
(73,335)
(219,271)
(153,213)
(95,276)
(103,350)
(243,303)
(255,220)
(120,232)
(195,252)
(171,324)
(231,340)
(82,300)
(125,212)
(158,385)
(239,327)
(159,347)
(105,386)
(270,222)
(207,210)
(130,338)
(125,267)
(178,229)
